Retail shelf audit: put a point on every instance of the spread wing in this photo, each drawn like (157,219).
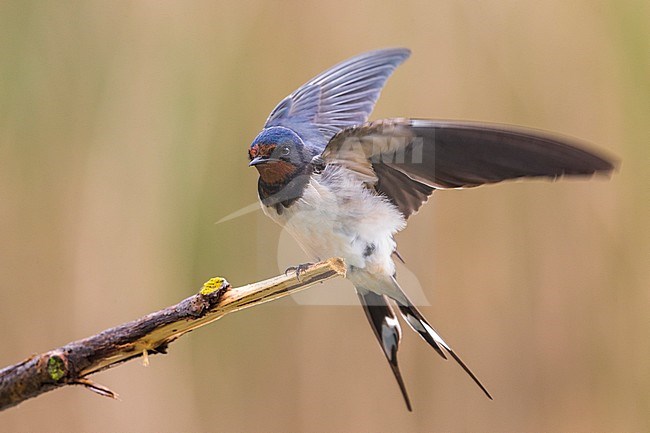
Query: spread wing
(407,159)
(340,97)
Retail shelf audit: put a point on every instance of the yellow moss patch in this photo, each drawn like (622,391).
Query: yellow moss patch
(212,285)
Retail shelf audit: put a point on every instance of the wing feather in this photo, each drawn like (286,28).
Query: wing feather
(340,97)
(407,159)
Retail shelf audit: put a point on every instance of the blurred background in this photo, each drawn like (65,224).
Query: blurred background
(123,136)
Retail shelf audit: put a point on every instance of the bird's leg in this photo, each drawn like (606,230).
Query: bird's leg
(300,269)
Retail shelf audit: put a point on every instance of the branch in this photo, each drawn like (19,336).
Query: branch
(151,334)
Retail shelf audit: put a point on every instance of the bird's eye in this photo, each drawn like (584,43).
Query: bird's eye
(285,151)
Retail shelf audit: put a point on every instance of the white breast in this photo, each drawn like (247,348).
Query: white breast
(338,217)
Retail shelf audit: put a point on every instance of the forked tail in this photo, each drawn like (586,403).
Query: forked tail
(419,324)
(384,323)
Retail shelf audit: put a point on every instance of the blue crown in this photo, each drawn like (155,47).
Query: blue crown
(277,135)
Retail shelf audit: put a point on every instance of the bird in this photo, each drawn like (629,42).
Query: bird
(343,186)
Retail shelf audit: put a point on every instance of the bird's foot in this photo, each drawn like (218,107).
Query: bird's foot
(300,269)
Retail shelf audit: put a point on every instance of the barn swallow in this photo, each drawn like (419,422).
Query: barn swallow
(343,186)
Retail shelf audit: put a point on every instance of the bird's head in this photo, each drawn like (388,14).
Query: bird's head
(279,155)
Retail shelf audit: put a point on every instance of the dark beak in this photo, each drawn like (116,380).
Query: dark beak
(261,160)
(257,160)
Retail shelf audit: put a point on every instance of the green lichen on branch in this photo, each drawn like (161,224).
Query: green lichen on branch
(56,368)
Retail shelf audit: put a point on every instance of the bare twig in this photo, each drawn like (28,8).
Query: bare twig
(74,362)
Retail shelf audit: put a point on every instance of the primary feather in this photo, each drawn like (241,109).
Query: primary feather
(407,159)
